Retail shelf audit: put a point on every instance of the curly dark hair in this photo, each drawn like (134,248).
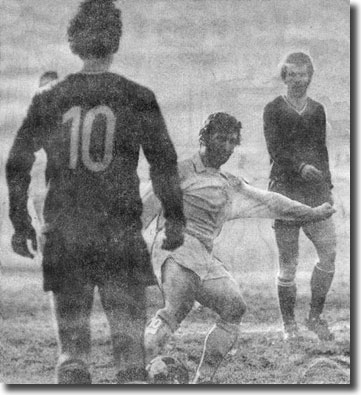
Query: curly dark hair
(96,29)
(300,59)
(219,122)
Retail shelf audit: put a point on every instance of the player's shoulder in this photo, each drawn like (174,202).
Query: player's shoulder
(45,96)
(273,104)
(186,167)
(315,104)
(186,164)
(51,90)
(134,90)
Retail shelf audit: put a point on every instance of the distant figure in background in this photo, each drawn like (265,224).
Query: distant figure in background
(295,132)
(48,79)
(92,126)
(191,272)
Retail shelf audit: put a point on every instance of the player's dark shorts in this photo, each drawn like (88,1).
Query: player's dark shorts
(124,260)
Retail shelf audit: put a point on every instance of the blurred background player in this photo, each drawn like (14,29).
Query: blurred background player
(295,132)
(91,126)
(48,80)
(191,272)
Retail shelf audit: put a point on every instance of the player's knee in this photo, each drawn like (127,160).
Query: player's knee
(331,257)
(182,311)
(327,265)
(157,332)
(235,310)
(288,254)
(327,257)
(287,273)
(288,261)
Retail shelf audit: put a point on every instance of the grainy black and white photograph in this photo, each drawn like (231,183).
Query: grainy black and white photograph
(175,192)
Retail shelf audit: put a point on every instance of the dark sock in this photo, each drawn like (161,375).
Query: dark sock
(320,285)
(287,301)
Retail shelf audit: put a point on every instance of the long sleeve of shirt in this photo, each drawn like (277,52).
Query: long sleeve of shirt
(18,168)
(295,139)
(151,206)
(251,202)
(161,155)
(280,151)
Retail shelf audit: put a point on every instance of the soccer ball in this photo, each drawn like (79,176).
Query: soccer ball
(167,370)
(325,371)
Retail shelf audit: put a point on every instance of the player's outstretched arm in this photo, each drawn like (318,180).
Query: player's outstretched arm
(251,202)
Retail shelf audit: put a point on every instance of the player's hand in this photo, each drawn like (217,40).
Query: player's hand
(311,173)
(174,235)
(19,242)
(324,211)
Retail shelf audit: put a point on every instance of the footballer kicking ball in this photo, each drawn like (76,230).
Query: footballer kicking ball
(167,370)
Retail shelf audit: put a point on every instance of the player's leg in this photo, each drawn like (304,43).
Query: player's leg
(323,236)
(125,308)
(179,287)
(72,309)
(224,297)
(72,299)
(287,241)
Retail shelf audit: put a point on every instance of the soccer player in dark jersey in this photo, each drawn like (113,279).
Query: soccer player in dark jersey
(295,132)
(91,126)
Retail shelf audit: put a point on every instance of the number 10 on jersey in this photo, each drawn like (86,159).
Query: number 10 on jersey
(74,115)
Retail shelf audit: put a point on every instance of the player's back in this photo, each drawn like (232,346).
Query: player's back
(92,139)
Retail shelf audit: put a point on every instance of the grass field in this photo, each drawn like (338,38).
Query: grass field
(28,348)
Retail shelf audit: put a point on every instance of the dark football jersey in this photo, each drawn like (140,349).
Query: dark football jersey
(91,127)
(295,139)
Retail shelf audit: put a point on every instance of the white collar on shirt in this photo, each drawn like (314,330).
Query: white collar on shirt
(299,112)
(199,165)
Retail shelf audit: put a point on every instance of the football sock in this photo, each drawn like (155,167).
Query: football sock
(218,342)
(320,285)
(156,334)
(287,299)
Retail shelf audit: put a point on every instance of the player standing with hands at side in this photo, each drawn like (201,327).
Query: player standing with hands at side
(91,126)
(295,132)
